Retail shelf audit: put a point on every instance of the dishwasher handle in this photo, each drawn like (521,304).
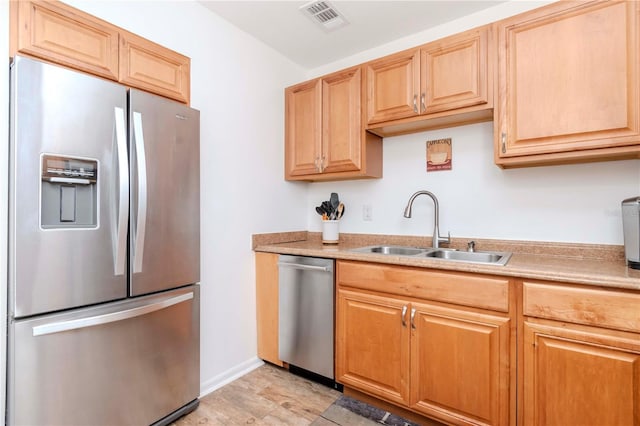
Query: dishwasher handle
(305,267)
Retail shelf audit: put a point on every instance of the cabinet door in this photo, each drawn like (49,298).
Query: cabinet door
(372,345)
(569,80)
(455,72)
(393,85)
(341,121)
(460,365)
(303,130)
(151,67)
(58,33)
(267,319)
(580,377)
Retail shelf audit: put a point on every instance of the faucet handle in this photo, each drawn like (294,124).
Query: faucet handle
(445,240)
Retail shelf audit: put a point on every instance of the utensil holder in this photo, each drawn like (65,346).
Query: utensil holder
(330,233)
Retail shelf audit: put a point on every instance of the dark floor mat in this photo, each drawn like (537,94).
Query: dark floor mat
(376,414)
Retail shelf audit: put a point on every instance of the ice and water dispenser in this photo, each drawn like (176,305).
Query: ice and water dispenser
(69,192)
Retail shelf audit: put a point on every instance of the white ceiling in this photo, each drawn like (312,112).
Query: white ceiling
(283,26)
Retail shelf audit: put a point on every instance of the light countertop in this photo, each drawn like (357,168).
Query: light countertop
(597,265)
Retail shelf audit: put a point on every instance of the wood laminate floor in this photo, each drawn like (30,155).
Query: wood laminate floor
(270,395)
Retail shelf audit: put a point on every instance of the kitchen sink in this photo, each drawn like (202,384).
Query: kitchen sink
(484,257)
(394,250)
(494,258)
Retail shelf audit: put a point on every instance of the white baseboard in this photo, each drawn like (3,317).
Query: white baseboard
(229,376)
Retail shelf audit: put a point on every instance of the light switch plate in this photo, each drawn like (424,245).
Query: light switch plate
(367,212)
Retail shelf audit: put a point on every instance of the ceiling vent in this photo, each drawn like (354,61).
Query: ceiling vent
(324,14)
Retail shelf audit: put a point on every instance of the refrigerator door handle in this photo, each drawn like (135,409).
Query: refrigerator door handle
(123,193)
(58,327)
(141,219)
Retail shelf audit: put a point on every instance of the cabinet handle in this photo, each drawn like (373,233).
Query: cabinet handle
(322,164)
(504,142)
(316,162)
(415,103)
(404,316)
(413,316)
(422,103)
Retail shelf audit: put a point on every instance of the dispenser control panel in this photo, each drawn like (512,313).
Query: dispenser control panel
(68,168)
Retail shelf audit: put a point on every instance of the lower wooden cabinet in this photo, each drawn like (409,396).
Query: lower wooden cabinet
(267,307)
(372,344)
(459,365)
(575,375)
(581,355)
(451,363)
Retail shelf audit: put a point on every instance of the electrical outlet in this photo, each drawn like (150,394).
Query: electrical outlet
(367,212)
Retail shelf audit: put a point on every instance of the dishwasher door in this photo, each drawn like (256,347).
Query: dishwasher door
(306,309)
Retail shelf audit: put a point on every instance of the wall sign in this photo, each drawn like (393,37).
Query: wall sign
(439,155)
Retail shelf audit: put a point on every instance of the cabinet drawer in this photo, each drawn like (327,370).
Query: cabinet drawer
(603,308)
(478,291)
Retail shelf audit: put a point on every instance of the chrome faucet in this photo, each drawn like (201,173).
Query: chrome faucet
(436,222)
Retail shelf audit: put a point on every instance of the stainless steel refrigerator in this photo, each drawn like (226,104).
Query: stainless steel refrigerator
(104,252)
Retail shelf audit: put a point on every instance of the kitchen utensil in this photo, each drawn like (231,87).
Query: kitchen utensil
(320,210)
(339,211)
(335,201)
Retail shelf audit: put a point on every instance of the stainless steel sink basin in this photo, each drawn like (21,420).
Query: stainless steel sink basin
(494,258)
(484,257)
(393,250)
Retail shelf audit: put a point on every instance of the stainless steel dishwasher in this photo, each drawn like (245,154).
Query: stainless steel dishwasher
(306,308)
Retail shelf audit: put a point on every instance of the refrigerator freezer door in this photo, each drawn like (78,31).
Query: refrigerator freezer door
(129,362)
(164,155)
(68,161)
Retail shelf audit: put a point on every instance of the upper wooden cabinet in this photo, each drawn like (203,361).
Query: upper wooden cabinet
(151,67)
(569,84)
(446,82)
(324,133)
(303,129)
(393,87)
(58,33)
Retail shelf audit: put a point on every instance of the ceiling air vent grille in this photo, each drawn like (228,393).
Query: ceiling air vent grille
(324,14)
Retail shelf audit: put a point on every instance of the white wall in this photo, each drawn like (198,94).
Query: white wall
(237,84)
(576,203)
